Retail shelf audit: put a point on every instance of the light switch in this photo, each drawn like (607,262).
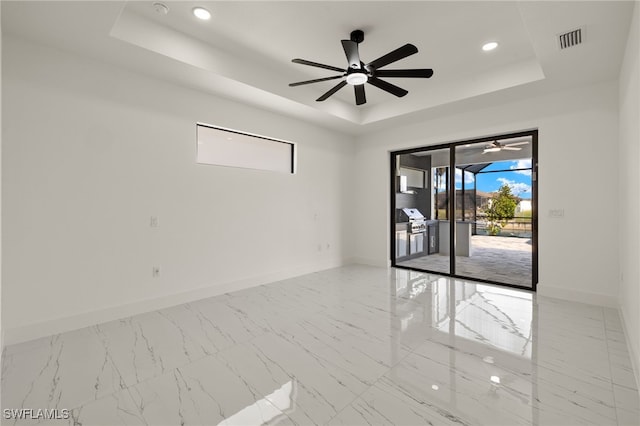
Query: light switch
(556,213)
(153,222)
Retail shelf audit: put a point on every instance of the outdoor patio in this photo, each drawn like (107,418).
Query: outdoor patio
(496,258)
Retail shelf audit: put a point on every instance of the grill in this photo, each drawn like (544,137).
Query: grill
(416,220)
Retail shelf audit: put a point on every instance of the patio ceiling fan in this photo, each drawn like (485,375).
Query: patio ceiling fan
(496,146)
(357,73)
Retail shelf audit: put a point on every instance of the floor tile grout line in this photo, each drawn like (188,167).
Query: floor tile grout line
(291,375)
(372,385)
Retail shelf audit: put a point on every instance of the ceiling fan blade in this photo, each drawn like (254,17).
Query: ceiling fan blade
(400,53)
(351,51)
(360,96)
(315,64)
(517,143)
(418,73)
(508,148)
(317,80)
(387,87)
(333,90)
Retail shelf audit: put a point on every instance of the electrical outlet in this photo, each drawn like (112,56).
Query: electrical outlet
(155,271)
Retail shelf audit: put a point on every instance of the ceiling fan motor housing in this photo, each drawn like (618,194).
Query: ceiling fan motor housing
(361,70)
(357,36)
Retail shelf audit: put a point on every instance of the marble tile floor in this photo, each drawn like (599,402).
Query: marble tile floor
(347,346)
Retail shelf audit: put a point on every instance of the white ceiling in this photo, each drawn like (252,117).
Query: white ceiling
(244,52)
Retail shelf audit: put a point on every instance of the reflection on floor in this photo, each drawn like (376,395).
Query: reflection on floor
(501,259)
(348,346)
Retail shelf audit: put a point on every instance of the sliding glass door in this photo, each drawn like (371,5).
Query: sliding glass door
(494,211)
(421,204)
(468,209)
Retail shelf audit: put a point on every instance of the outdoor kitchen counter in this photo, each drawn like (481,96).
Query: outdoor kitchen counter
(463,238)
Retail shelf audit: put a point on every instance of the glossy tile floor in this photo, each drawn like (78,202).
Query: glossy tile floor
(348,346)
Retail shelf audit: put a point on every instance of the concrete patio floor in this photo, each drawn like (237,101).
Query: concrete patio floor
(502,259)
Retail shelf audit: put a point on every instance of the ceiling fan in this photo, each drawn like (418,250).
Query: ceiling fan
(496,146)
(358,73)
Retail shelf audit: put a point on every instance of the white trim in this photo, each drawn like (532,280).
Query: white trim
(371,262)
(245,150)
(633,354)
(60,325)
(577,295)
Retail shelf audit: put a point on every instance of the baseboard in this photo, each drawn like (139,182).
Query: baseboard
(633,352)
(370,262)
(576,295)
(60,325)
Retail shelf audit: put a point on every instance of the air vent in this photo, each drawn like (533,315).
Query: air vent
(570,39)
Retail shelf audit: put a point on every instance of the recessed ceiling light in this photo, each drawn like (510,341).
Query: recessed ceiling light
(201,13)
(489,46)
(160,8)
(495,379)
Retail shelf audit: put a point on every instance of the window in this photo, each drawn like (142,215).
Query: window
(226,147)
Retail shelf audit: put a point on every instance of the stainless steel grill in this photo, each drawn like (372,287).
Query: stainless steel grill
(416,220)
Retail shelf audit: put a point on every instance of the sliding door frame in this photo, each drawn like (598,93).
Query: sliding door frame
(393,155)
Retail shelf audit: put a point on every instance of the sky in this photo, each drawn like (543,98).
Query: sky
(518,180)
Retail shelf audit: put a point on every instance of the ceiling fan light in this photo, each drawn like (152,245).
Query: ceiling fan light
(357,78)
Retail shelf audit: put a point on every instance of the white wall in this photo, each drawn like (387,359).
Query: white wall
(630,190)
(91,152)
(578,153)
(1,327)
